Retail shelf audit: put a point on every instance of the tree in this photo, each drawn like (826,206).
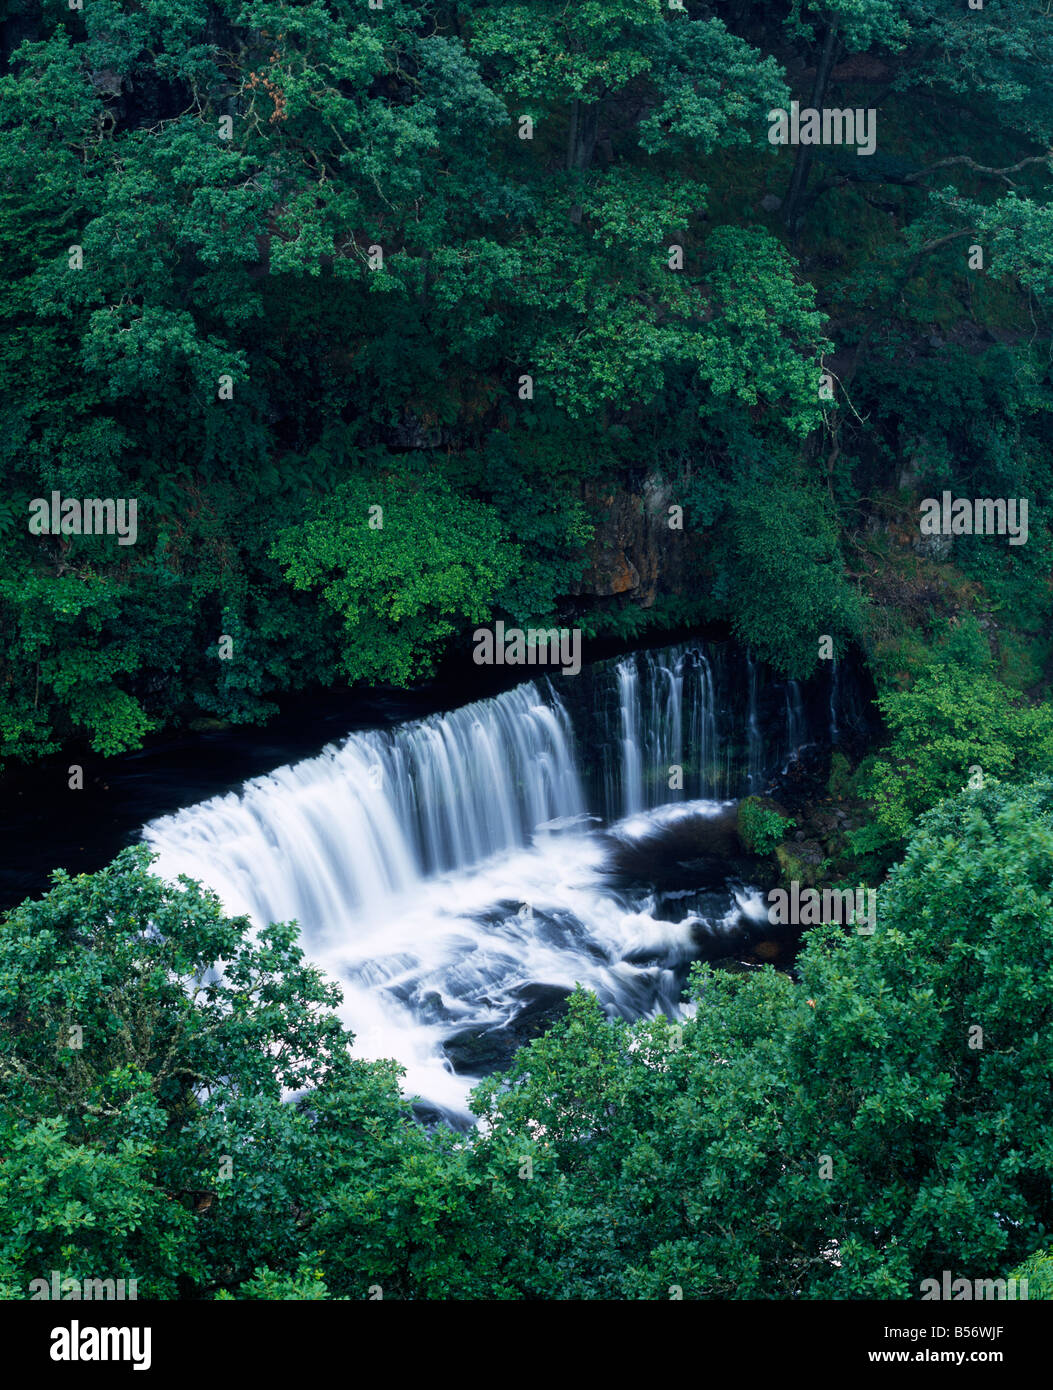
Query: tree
(147,1044)
(789,587)
(403,562)
(954,727)
(845,1136)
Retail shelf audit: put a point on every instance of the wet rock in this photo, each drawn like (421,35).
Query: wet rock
(734,967)
(612,573)
(938,548)
(107,82)
(411,432)
(481,1051)
(802,779)
(801,862)
(688,852)
(434,1117)
(478,1051)
(558,928)
(433,1008)
(635,553)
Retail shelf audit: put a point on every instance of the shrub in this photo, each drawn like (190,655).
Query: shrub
(761,826)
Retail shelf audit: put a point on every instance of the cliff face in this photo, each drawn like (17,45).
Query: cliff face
(640,549)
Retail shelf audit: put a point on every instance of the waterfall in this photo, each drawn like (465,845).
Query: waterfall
(632,773)
(446,870)
(796,727)
(755,741)
(371,818)
(688,707)
(668,720)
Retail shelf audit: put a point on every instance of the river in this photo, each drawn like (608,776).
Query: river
(459,873)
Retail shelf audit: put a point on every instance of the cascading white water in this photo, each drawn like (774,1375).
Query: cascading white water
(669,716)
(443,869)
(796,726)
(632,771)
(369,819)
(753,731)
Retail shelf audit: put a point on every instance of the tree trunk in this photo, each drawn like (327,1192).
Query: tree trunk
(581,136)
(572,133)
(802,165)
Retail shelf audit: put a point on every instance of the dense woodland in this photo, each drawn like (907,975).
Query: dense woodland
(268,266)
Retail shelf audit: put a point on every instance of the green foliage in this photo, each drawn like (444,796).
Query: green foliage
(130,1070)
(1037,1269)
(845,1136)
(659,1158)
(305,1286)
(955,727)
(840,782)
(403,578)
(762,827)
(786,585)
(248,258)
(698,1160)
(89,1210)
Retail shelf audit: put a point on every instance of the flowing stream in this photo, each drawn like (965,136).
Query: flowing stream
(459,874)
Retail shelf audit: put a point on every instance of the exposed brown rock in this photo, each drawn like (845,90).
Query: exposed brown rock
(635,552)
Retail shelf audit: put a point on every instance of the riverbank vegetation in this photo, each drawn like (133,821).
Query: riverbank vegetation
(848,1134)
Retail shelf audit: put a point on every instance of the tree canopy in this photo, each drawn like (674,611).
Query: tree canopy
(257,257)
(846,1135)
